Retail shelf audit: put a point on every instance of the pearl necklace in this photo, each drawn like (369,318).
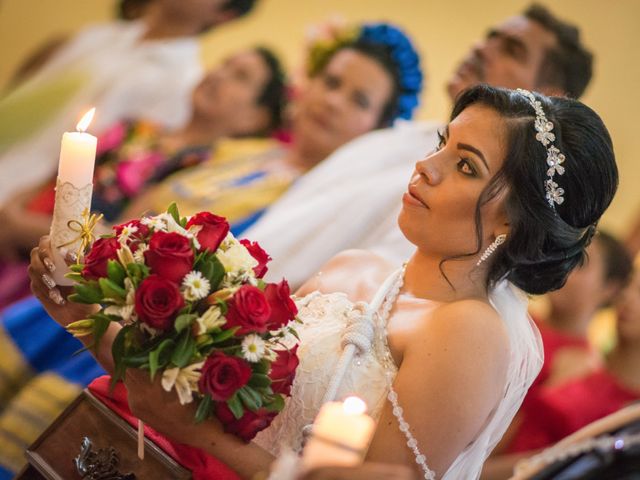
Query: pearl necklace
(559,453)
(383,319)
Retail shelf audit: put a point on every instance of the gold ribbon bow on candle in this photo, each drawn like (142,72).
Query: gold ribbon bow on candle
(84,229)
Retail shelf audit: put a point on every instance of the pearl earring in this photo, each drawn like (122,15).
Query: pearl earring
(500,239)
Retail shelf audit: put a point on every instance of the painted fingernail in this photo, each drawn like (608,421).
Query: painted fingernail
(72,257)
(48,281)
(54,294)
(49,264)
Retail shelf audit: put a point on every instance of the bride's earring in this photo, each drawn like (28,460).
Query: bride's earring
(500,239)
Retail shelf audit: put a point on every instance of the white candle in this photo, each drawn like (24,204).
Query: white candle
(73,190)
(341,435)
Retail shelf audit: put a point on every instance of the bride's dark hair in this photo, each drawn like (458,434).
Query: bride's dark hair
(544,244)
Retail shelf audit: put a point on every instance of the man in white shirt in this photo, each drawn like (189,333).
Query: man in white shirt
(351,200)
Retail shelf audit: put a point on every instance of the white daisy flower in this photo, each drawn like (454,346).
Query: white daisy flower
(253,348)
(210,319)
(126,233)
(155,223)
(195,286)
(185,381)
(138,256)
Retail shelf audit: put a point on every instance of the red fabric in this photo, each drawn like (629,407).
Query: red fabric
(201,465)
(43,200)
(556,412)
(14,282)
(552,342)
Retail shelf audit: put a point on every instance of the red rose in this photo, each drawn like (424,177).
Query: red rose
(157,302)
(169,255)
(283,308)
(140,235)
(213,232)
(246,427)
(283,371)
(223,375)
(262,257)
(249,310)
(95,263)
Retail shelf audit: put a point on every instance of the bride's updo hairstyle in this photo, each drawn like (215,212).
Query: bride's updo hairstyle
(391,48)
(547,240)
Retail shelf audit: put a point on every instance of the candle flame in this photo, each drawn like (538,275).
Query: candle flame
(84,122)
(354,406)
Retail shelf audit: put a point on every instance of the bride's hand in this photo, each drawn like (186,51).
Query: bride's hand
(53,297)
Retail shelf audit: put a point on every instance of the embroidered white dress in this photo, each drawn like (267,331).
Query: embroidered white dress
(332,321)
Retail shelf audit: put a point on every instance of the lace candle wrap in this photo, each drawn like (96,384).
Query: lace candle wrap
(73,193)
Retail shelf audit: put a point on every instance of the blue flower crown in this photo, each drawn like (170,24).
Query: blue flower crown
(402,52)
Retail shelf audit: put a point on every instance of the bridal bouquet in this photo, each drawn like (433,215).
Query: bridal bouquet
(194,310)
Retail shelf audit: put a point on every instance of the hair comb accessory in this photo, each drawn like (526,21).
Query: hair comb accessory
(555,159)
(326,39)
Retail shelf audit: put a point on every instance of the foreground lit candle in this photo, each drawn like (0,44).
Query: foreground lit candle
(341,435)
(73,192)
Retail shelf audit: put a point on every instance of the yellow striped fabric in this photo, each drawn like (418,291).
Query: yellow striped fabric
(14,371)
(29,413)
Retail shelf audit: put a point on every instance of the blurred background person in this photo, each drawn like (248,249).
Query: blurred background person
(144,68)
(567,352)
(354,194)
(125,10)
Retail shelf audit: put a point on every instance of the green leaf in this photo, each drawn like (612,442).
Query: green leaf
(117,352)
(137,272)
(276,404)
(293,332)
(185,349)
(212,269)
(116,272)
(100,325)
(111,290)
(235,405)
(262,367)
(259,380)
(74,277)
(173,211)
(183,321)
(76,267)
(88,293)
(251,399)
(204,409)
(224,335)
(160,356)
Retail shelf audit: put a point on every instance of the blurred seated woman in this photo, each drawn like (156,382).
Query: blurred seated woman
(561,410)
(242,97)
(363,80)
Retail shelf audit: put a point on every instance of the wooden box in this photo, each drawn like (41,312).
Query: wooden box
(53,455)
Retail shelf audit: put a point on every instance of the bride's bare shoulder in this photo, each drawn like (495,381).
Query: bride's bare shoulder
(358,273)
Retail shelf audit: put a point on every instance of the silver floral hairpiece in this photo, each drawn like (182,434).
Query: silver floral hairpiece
(555,159)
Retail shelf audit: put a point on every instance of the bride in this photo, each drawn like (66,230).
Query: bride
(444,348)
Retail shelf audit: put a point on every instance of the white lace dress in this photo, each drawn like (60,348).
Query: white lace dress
(332,321)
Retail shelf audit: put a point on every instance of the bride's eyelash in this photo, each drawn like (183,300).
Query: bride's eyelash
(442,141)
